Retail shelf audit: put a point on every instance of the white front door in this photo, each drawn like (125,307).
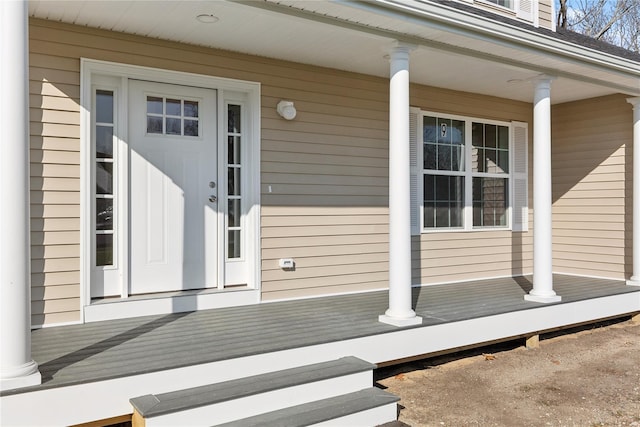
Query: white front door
(172,187)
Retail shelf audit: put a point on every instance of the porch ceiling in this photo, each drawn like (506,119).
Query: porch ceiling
(356,37)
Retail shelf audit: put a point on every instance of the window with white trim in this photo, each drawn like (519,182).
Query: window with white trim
(524,9)
(470,173)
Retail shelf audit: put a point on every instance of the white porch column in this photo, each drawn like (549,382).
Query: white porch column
(542,258)
(17,368)
(635,274)
(400,312)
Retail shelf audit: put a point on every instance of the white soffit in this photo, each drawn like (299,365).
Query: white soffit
(357,42)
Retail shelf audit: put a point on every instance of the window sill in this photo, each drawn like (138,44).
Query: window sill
(464,230)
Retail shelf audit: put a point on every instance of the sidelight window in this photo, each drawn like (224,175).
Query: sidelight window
(104,178)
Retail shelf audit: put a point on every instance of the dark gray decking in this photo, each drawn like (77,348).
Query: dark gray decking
(97,351)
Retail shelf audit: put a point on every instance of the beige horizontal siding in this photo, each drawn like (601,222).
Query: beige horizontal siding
(591,176)
(55,188)
(38,320)
(53,279)
(445,257)
(336,249)
(545,14)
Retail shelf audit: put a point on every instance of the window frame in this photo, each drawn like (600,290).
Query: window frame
(468,174)
(494,3)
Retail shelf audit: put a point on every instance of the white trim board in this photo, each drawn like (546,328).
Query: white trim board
(58,406)
(134,307)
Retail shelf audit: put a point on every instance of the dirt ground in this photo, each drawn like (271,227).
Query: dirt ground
(588,377)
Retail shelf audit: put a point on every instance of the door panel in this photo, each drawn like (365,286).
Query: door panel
(173,224)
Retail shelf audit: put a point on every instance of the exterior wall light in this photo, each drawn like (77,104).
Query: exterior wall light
(286,110)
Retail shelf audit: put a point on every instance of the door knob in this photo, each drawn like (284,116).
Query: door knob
(213,198)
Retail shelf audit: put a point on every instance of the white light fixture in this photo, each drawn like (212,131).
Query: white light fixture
(207,18)
(286,110)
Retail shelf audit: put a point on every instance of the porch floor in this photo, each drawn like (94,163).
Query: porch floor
(98,351)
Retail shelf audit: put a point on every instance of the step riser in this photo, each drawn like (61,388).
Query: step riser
(264,402)
(371,417)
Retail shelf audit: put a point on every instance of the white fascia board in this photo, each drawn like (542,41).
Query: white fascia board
(518,36)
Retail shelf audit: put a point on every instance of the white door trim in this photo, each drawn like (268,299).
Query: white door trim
(119,74)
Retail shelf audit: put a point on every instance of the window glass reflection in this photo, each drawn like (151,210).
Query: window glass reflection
(104,106)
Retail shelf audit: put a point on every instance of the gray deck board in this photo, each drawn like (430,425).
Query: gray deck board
(94,351)
(181,400)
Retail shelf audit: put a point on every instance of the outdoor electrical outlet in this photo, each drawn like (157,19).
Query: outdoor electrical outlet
(287,263)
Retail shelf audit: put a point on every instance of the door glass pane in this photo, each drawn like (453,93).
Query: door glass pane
(234,213)
(104,142)
(233,119)
(234,185)
(174,107)
(154,105)
(104,249)
(234,244)
(234,181)
(233,147)
(154,124)
(104,214)
(104,106)
(104,178)
(174,126)
(190,109)
(190,128)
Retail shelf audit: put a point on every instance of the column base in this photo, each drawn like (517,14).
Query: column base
(399,321)
(633,281)
(543,299)
(29,378)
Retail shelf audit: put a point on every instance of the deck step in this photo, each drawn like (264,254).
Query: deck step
(369,407)
(245,397)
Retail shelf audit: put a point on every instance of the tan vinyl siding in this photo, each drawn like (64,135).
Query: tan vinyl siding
(591,177)
(545,14)
(439,257)
(336,249)
(55,188)
(324,176)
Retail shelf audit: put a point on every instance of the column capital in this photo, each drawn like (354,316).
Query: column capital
(635,101)
(542,82)
(543,78)
(401,48)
